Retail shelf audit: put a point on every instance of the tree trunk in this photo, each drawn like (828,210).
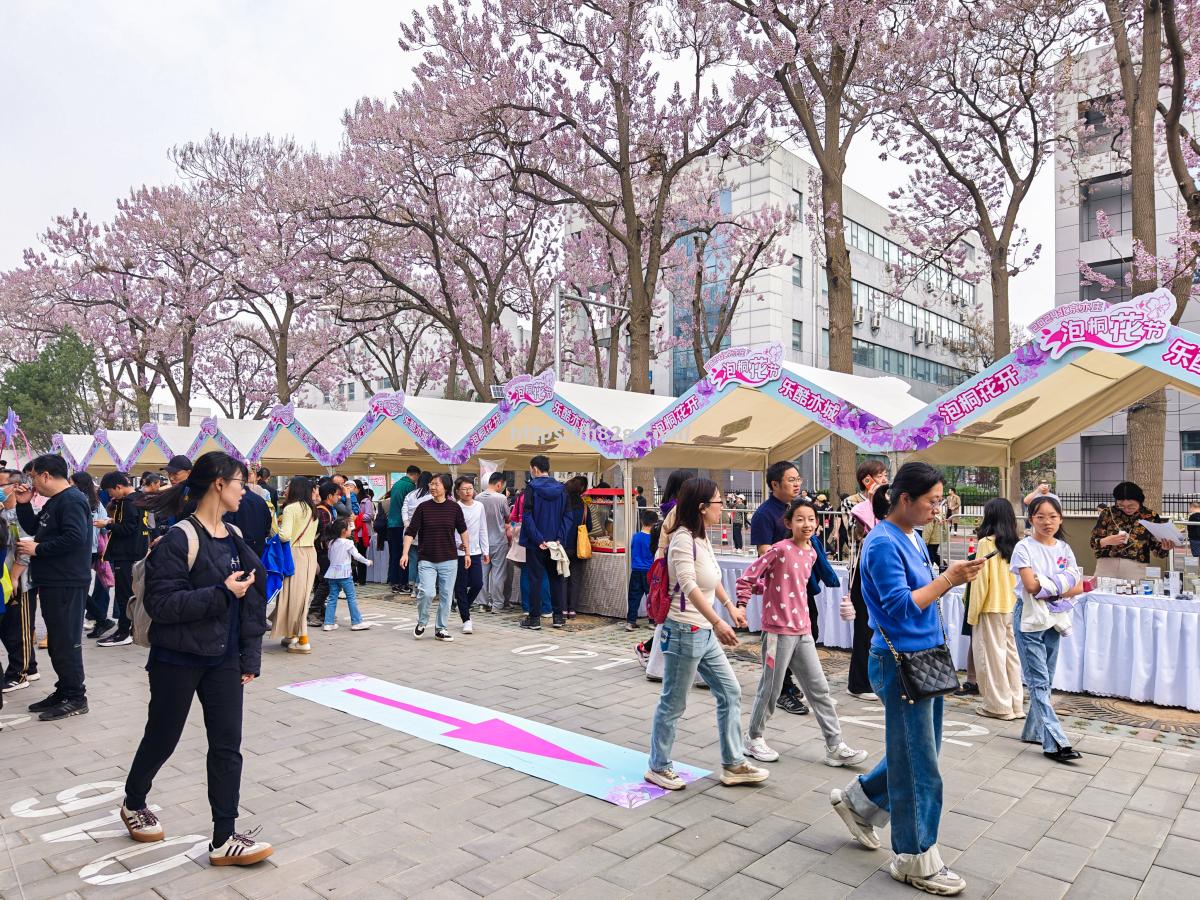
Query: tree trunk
(841,317)
(1146,421)
(1001,332)
(614,349)
(639,337)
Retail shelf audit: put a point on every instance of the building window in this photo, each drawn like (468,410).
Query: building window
(725,200)
(350,391)
(1102,134)
(1116,269)
(1190,449)
(1111,194)
(797,334)
(799,201)
(797,270)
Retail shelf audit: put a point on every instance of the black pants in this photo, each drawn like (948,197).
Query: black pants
(397,575)
(358,570)
(574,583)
(62,609)
(467,584)
(316,604)
(16,633)
(171,692)
(122,591)
(935,554)
(737,540)
(96,607)
(860,682)
(539,561)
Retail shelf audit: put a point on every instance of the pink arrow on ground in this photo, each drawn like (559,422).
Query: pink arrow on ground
(495,732)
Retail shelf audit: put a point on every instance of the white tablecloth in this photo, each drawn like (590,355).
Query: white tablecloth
(1139,648)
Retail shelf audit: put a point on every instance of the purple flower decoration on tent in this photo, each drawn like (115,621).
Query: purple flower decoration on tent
(705,388)
(1030,356)
(504,406)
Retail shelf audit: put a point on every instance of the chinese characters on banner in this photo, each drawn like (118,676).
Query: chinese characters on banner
(810,400)
(746,366)
(1184,355)
(1121,327)
(677,414)
(979,394)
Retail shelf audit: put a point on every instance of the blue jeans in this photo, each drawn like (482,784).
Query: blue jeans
(414,567)
(684,652)
(527,588)
(435,578)
(637,590)
(341,586)
(906,785)
(1038,652)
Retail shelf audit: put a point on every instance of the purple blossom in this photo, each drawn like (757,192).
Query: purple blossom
(705,388)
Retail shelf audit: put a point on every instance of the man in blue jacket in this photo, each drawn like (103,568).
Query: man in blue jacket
(542,523)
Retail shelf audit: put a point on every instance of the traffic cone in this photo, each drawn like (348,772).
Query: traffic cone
(724,535)
(970,548)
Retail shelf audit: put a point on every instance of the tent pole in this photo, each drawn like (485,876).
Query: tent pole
(630,505)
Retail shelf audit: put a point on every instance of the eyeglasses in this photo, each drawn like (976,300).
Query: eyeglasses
(717,502)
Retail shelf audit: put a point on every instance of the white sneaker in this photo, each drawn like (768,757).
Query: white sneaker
(943,883)
(468,627)
(361,626)
(666,779)
(240,850)
(441,634)
(333,627)
(757,747)
(143,826)
(743,773)
(860,831)
(867,696)
(841,755)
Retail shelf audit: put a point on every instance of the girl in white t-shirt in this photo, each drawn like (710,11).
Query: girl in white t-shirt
(1046,571)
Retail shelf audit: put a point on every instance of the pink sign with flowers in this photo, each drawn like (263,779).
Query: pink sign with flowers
(1118,327)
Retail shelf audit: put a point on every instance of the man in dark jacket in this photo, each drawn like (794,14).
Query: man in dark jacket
(128,541)
(542,522)
(398,578)
(253,519)
(61,567)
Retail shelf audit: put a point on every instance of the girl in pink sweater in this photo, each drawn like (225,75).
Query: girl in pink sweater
(781,576)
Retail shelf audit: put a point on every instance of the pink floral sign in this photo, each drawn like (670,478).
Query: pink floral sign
(387,405)
(532,389)
(1120,328)
(980,394)
(743,365)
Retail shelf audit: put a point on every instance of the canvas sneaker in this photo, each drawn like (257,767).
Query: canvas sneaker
(667,779)
(944,883)
(744,772)
(240,850)
(143,825)
(859,830)
(16,684)
(757,747)
(441,634)
(842,755)
(419,630)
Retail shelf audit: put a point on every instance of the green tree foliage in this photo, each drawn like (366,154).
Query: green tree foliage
(54,392)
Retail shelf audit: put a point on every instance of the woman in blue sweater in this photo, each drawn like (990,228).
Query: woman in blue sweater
(902,589)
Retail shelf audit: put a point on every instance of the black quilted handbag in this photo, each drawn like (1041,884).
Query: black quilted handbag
(926,673)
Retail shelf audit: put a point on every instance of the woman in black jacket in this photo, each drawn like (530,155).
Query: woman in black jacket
(205,595)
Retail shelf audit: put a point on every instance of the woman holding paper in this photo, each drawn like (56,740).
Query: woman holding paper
(1121,543)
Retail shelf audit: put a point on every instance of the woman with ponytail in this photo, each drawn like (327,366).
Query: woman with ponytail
(205,595)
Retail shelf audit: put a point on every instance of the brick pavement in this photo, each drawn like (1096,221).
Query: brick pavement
(358,810)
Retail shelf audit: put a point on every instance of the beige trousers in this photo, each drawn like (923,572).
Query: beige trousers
(994,648)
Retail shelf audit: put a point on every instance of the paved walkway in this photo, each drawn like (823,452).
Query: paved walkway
(358,810)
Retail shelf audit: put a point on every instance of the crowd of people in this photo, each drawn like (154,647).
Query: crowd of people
(195,555)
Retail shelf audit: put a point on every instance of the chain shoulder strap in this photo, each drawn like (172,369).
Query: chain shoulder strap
(937,603)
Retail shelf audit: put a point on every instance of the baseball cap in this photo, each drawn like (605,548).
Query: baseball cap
(179,464)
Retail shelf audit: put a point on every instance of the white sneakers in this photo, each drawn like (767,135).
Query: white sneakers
(667,779)
(361,626)
(468,627)
(865,696)
(841,755)
(743,773)
(861,831)
(240,850)
(333,627)
(943,883)
(757,747)
(143,826)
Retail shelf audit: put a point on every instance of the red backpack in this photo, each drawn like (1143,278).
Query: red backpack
(659,590)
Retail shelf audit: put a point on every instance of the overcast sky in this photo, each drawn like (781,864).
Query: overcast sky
(93,94)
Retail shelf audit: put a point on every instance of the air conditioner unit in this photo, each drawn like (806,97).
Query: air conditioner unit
(918,335)
(858,315)
(876,321)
